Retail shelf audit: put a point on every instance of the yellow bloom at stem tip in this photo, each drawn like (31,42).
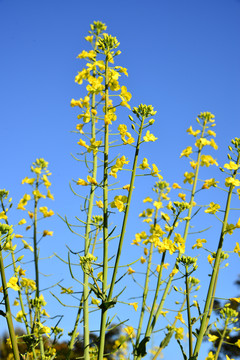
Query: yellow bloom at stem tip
(210,356)
(212,337)
(135,305)
(149,137)
(199,243)
(47,233)
(230,181)
(231,166)
(91,180)
(186,152)
(99,204)
(27,246)
(213,208)
(144,165)
(192,132)
(131,271)
(12,283)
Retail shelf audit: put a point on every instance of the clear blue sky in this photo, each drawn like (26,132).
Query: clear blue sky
(182,56)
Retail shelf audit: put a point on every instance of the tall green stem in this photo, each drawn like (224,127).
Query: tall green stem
(190,339)
(8,314)
(145,292)
(36,257)
(105,218)
(123,230)
(212,285)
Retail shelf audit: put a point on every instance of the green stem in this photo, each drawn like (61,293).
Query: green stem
(145,292)
(221,341)
(190,341)
(213,281)
(168,336)
(36,258)
(151,323)
(105,220)
(8,311)
(123,230)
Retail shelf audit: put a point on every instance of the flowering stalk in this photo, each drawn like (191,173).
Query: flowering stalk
(212,285)
(190,341)
(8,314)
(105,218)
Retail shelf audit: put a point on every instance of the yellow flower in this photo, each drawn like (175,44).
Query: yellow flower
(210,356)
(211,133)
(66,290)
(28,181)
(237,343)
(149,137)
(235,299)
(202,142)
(212,337)
(188,177)
(83,143)
(231,166)
(208,160)
(130,331)
(199,243)
(182,196)
(127,187)
(144,164)
(165,216)
(37,195)
(95,301)
(30,214)
(16,303)
(84,54)
(12,283)
(179,333)
(157,204)
(193,164)
(131,271)
(229,229)
(119,202)
(135,305)
(186,152)
(91,180)
(143,260)
(228,358)
(155,172)
(49,195)
(237,249)
(176,186)
(118,166)
(44,313)
(230,181)
(213,144)
(210,259)
(174,272)
(23,202)
(18,236)
(21,222)
(82,182)
(192,132)
(27,246)
(3,215)
(46,213)
(213,208)
(46,181)
(46,232)
(180,317)
(209,182)
(99,204)
(19,316)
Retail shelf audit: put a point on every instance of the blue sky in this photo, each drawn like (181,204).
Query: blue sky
(182,57)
